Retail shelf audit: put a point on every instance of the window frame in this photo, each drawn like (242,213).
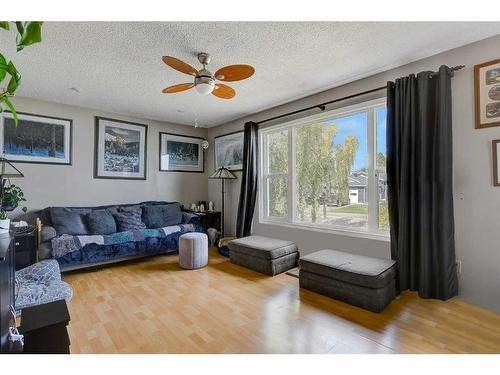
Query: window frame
(372,230)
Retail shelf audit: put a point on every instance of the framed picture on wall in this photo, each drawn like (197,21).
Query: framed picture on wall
(228,151)
(487,94)
(120,149)
(36,139)
(180,153)
(496,161)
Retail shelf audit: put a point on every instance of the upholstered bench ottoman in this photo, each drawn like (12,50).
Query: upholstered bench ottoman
(262,254)
(359,280)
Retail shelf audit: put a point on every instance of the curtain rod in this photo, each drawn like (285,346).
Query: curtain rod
(322,106)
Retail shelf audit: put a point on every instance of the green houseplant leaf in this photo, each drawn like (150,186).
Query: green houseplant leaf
(3,67)
(29,33)
(15,78)
(11,108)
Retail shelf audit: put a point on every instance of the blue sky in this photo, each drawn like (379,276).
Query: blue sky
(357,125)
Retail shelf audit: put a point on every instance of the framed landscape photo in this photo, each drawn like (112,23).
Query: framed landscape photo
(496,161)
(487,94)
(228,151)
(120,149)
(36,139)
(180,153)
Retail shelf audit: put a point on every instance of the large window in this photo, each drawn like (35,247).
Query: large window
(327,171)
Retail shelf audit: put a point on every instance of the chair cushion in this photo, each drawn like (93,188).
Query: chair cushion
(101,222)
(351,268)
(129,220)
(161,216)
(40,283)
(69,220)
(46,271)
(34,294)
(262,247)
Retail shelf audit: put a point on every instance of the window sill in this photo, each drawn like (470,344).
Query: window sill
(380,236)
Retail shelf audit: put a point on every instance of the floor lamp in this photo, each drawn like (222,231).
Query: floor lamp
(222,173)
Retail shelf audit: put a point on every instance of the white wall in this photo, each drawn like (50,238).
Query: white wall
(60,185)
(477,201)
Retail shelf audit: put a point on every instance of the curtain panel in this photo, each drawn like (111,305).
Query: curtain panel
(420,183)
(248,193)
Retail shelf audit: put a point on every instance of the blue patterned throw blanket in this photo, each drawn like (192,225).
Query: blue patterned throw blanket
(67,243)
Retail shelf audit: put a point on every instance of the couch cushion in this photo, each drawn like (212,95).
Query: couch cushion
(69,220)
(129,220)
(101,222)
(162,215)
(351,268)
(262,247)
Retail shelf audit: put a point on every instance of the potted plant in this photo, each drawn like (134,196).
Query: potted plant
(12,196)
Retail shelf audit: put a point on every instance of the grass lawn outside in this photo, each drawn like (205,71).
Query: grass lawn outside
(351,209)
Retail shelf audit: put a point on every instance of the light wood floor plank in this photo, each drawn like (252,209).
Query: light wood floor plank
(153,306)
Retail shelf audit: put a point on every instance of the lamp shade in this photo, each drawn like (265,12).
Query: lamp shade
(205,88)
(223,173)
(7,170)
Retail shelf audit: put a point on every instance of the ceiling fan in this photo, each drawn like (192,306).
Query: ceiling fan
(204,81)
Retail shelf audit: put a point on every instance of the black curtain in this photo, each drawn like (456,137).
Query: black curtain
(248,191)
(419,177)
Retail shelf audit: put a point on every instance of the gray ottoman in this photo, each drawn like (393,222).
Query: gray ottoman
(262,254)
(359,280)
(193,250)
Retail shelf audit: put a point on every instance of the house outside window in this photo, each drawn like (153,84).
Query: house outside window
(327,171)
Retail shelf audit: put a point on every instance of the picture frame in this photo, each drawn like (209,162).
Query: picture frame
(37,139)
(181,153)
(120,149)
(495,148)
(228,151)
(487,94)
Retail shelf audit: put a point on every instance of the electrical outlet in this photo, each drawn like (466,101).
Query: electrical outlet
(458,264)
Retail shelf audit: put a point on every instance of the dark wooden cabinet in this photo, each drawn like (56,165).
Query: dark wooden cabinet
(210,220)
(25,249)
(7,275)
(45,328)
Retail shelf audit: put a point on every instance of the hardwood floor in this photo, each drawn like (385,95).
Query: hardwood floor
(153,306)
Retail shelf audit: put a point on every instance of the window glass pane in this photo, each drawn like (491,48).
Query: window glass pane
(380,123)
(277,146)
(277,192)
(331,172)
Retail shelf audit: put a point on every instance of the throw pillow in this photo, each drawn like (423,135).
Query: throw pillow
(69,220)
(162,215)
(133,207)
(129,220)
(101,222)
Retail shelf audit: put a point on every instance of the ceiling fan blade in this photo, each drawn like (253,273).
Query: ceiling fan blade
(179,65)
(177,88)
(223,91)
(234,72)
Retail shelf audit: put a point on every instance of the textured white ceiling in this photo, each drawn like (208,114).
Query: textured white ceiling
(118,68)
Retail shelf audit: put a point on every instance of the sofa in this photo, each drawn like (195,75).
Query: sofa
(80,237)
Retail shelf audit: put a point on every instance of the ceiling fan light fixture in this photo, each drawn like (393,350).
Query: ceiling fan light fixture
(204,85)
(205,88)
(204,80)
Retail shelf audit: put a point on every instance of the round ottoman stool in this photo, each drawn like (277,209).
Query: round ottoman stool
(193,250)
